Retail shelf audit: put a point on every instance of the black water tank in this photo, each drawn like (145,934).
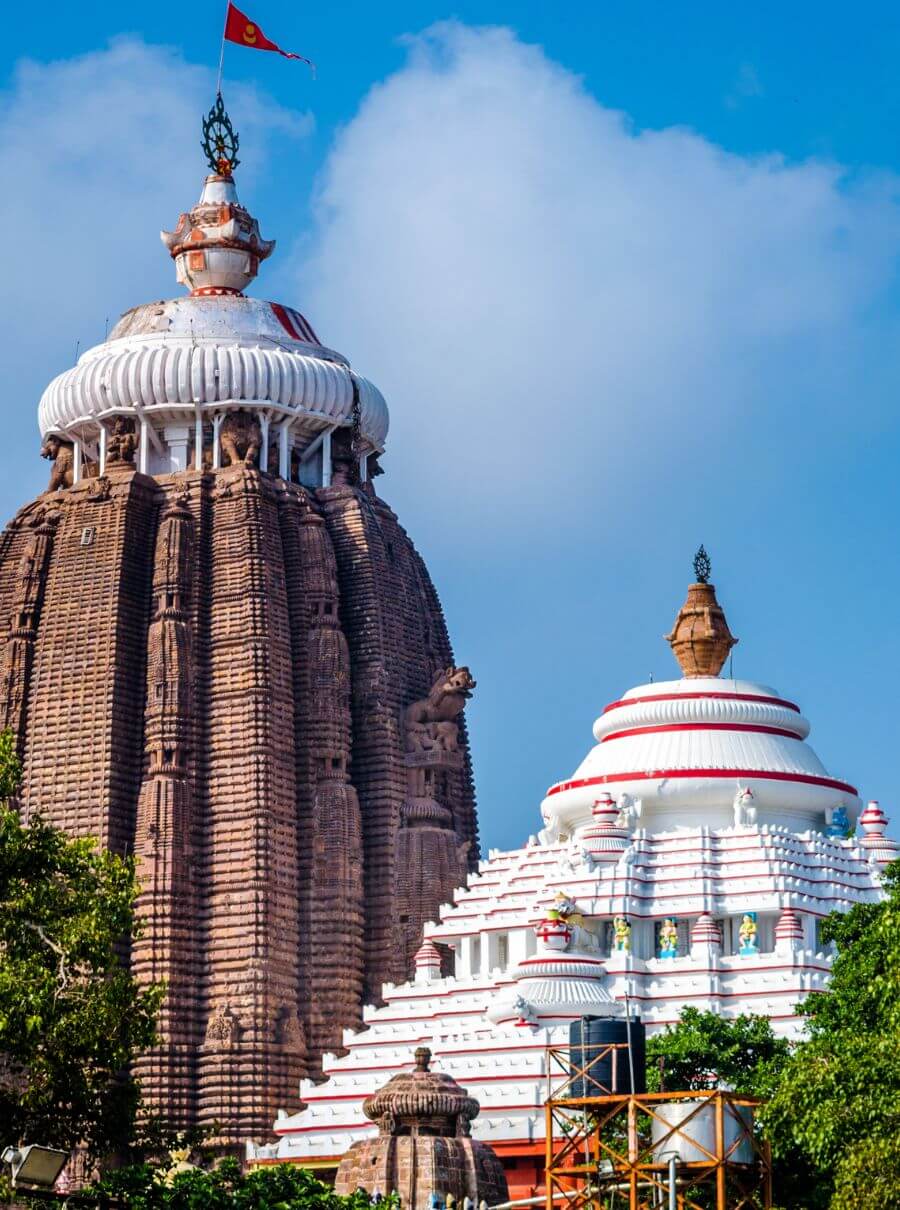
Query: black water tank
(588,1037)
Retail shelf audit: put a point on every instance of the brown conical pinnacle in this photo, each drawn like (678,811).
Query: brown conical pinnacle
(700,637)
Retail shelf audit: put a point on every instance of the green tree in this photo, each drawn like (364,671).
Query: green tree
(705,1050)
(837,1102)
(279,1187)
(71,1015)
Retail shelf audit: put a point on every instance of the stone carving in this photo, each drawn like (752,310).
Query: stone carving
(240,438)
(61,453)
(121,442)
(430,723)
(223,1030)
(344,470)
(100,489)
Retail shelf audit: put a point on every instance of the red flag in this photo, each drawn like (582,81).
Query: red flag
(239,28)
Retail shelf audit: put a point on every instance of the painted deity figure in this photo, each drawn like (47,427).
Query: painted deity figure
(621,935)
(668,938)
(748,935)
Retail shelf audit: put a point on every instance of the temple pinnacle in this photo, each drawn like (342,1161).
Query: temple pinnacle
(220,140)
(700,637)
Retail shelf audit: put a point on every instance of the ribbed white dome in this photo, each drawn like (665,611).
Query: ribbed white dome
(169,358)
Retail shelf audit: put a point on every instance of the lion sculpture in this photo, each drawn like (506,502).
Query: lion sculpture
(240,439)
(430,723)
(60,453)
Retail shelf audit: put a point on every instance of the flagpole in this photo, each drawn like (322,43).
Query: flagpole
(222,50)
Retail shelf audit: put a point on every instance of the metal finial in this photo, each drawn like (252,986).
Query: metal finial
(702,566)
(220,140)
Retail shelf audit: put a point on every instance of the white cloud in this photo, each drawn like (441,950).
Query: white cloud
(548,295)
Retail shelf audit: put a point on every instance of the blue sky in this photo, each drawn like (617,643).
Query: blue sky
(625,273)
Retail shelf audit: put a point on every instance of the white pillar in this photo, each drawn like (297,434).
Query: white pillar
(363,467)
(326,459)
(177,437)
(264,448)
(284,450)
(217,451)
(76,460)
(102,449)
(198,441)
(144,448)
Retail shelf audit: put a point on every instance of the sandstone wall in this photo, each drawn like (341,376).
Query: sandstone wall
(211,669)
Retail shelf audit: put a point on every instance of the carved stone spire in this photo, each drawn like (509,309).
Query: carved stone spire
(700,637)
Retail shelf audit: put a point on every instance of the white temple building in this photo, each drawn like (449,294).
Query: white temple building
(689,860)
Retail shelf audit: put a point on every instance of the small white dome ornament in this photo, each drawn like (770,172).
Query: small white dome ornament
(879,849)
(605,838)
(217,246)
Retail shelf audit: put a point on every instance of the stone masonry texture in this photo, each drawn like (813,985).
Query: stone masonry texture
(210,670)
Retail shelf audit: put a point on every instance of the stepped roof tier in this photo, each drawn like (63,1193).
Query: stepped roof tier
(687,861)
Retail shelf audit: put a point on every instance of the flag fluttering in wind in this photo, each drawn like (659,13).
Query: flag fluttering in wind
(240,29)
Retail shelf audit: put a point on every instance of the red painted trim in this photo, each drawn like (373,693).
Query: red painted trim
(687,697)
(299,329)
(659,774)
(215,292)
(752,727)
(560,958)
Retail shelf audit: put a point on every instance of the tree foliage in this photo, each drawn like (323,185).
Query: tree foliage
(837,1102)
(704,1050)
(71,1015)
(279,1187)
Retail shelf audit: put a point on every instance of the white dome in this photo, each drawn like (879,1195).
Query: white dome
(686,748)
(168,359)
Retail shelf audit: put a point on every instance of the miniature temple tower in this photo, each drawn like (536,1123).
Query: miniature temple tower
(424,1147)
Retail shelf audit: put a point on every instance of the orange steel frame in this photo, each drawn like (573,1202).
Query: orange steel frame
(613,1132)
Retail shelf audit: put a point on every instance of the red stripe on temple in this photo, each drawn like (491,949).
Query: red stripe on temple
(659,774)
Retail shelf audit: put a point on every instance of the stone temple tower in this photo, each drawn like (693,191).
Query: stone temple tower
(220,650)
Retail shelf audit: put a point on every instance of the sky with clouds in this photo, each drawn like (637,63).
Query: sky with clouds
(627,286)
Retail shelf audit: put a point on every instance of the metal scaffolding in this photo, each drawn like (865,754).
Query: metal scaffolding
(696,1150)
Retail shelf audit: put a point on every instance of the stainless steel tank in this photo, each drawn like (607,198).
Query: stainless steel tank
(702,1129)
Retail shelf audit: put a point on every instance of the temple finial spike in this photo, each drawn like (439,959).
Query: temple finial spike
(220,140)
(700,638)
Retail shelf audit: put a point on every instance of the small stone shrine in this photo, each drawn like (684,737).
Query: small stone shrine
(424,1149)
